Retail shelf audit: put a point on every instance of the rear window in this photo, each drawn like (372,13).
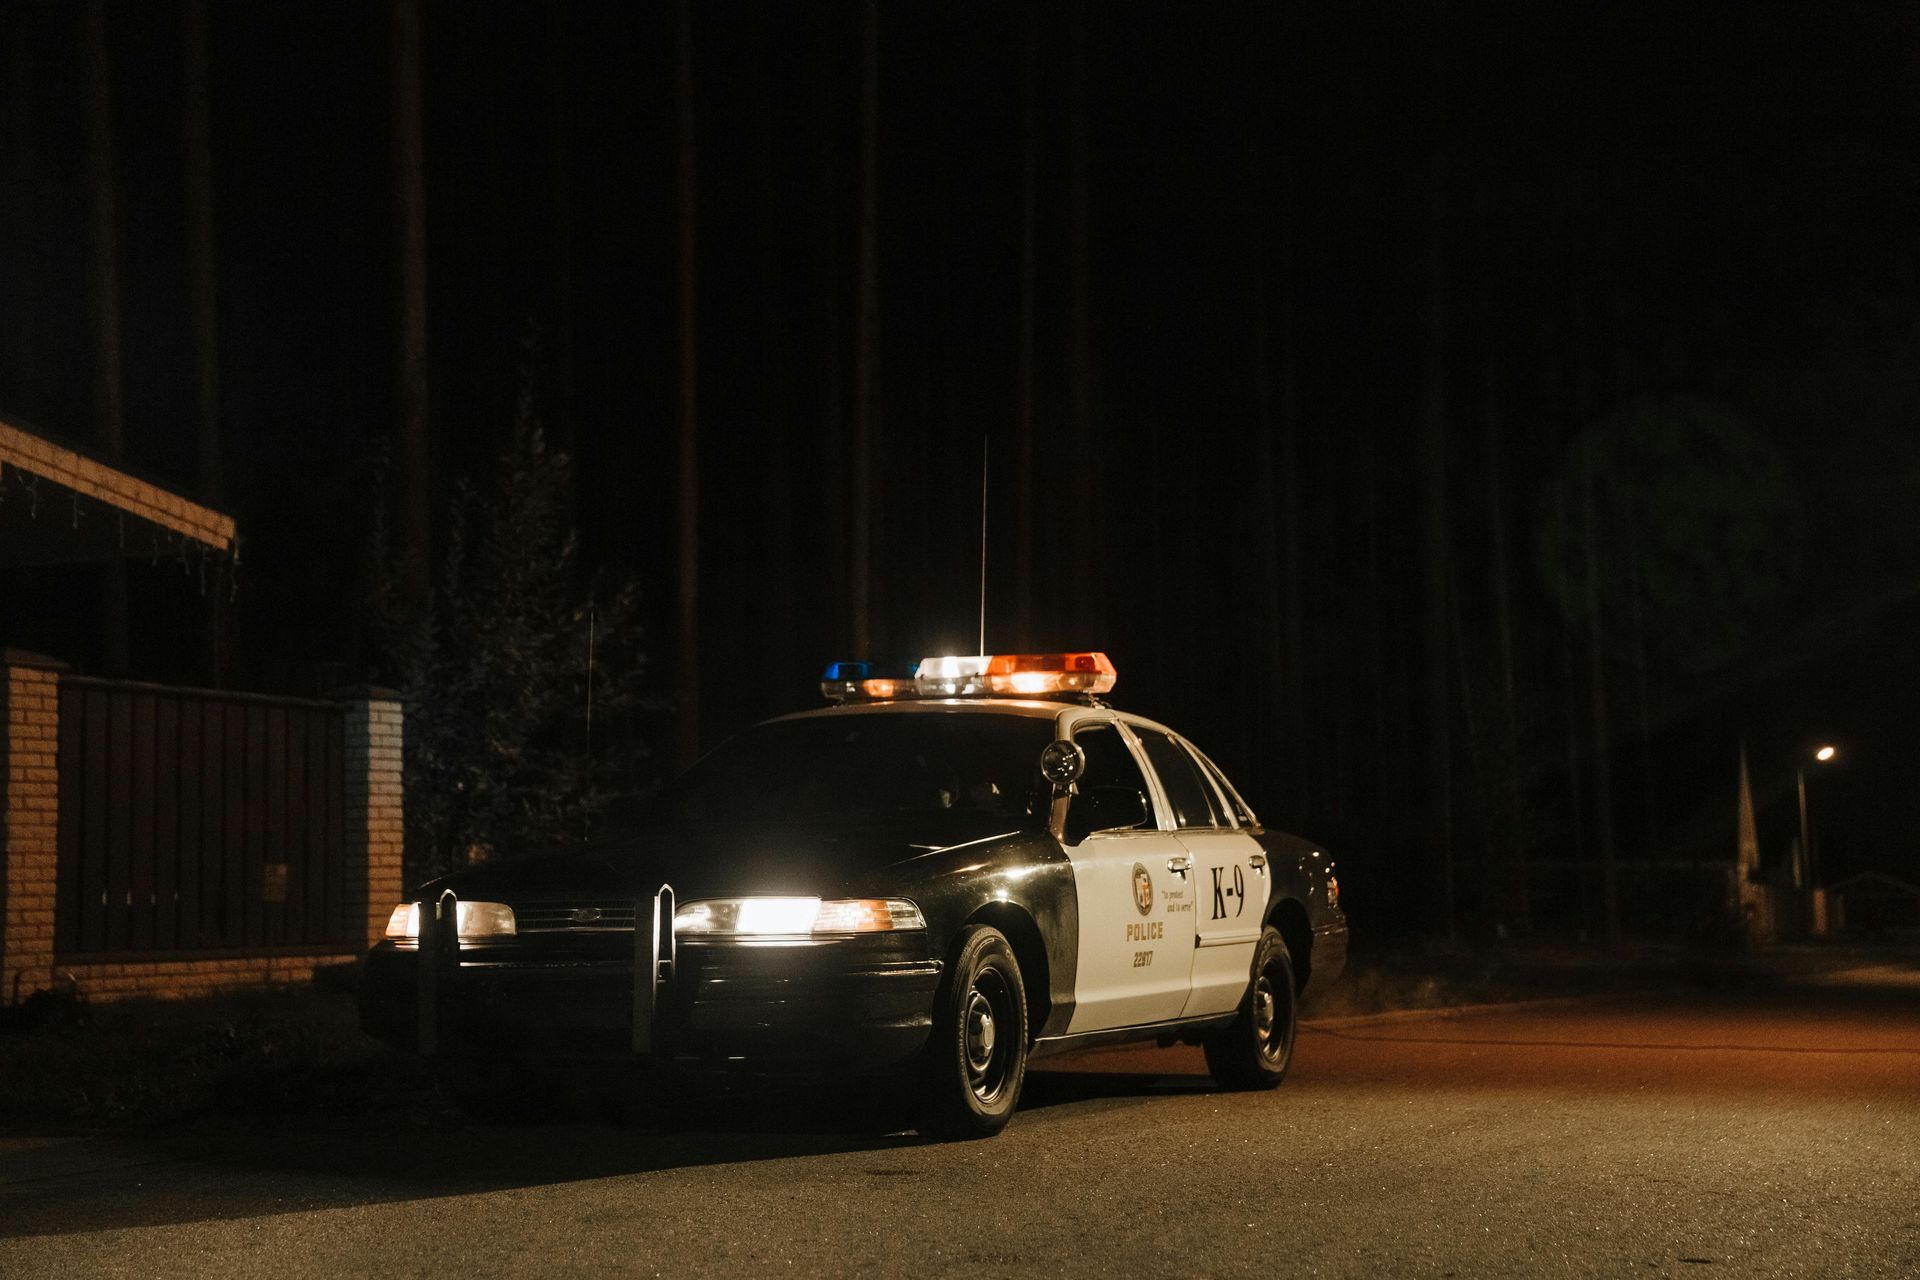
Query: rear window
(1226,788)
(1188,792)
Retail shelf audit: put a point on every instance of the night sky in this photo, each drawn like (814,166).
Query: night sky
(1621,296)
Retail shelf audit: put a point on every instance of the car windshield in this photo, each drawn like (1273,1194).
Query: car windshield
(836,770)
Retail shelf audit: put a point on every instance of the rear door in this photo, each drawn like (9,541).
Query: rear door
(1230,874)
(1136,898)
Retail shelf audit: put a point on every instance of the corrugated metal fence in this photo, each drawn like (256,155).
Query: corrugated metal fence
(195,822)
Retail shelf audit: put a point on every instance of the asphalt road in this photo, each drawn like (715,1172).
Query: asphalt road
(1735,1133)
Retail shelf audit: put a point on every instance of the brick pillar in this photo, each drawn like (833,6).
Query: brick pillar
(372,802)
(30,822)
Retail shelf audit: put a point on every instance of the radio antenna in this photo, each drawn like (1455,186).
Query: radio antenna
(983,544)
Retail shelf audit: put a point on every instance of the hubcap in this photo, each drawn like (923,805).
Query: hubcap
(988,1015)
(1272,1025)
(980,1034)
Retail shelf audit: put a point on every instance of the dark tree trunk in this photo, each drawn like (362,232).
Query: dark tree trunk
(1087,620)
(108,382)
(862,496)
(1372,516)
(209,448)
(1275,452)
(1517,895)
(1509,854)
(1597,685)
(560,415)
(828,323)
(24,68)
(687,295)
(410,210)
(1436,520)
(776,466)
(108,408)
(1643,701)
(827,328)
(1023,447)
(1570,684)
(1293,607)
(1597,711)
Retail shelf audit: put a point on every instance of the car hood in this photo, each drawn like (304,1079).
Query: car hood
(713,861)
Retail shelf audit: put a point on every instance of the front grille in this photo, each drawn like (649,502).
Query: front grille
(578,917)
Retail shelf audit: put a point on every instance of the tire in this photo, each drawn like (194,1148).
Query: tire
(1255,1052)
(976,1058)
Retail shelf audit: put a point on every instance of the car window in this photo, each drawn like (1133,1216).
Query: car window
(1192,799)
(1233,799)
(1110,763)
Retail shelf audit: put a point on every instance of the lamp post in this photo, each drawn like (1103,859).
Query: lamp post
(1808,864)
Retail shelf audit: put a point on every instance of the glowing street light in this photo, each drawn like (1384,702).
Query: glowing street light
(1823,753)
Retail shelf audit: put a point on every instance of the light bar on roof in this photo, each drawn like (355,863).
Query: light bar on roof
(1016,675)
(1039,674)
(867,681)
(952,677)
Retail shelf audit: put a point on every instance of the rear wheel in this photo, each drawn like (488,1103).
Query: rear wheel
(1256,1050)
(977,1056)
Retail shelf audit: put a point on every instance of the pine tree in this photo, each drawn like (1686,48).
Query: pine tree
(522,674)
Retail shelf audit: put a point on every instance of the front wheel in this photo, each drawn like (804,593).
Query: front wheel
(1255,1052)
(977,1056)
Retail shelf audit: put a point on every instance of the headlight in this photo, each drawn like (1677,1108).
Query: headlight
(475,920)
(796,917)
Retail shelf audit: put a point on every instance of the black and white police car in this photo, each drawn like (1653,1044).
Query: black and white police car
(961,865)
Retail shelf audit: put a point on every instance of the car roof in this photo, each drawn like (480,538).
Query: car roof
(1035,708)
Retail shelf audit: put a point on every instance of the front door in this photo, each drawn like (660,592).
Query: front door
(1136,894)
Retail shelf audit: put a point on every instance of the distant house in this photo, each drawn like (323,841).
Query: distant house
(1873,902)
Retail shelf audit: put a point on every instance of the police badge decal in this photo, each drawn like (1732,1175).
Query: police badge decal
(1142,890)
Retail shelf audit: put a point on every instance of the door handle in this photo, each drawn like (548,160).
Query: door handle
(1259,861)
(1180,866)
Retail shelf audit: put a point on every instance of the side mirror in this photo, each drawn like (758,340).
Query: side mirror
(1105,809)
(1062,763)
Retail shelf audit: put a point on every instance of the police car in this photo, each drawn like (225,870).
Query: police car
(958,866)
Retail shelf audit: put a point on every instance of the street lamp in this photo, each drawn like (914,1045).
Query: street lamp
(1824,753)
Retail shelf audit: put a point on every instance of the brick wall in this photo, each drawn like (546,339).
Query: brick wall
(181,979)
(30,826)
(374,835)
(29,856)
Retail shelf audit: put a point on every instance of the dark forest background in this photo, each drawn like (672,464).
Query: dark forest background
(1470,422)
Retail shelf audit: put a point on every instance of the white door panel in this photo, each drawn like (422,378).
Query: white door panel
(1230,889)
(1136,929)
